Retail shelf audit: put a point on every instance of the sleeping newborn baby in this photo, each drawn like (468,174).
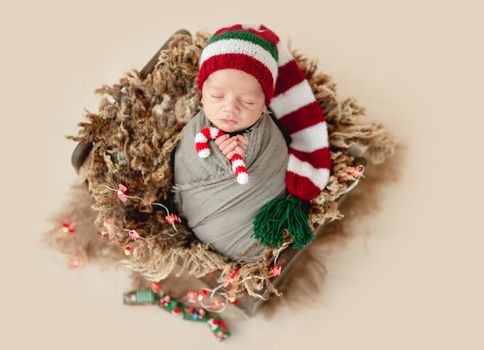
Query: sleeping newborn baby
(238,78)
(219,210)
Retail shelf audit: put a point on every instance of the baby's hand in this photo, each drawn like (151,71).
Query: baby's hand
(231,145)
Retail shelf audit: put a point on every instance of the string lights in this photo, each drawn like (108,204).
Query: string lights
(128,249)
(276,270)
(207,297)
(357,171)
(68,228)
(354,173)
(156,295)
(121,194)
(103,234)
(204,302)
(75,263)
(107,229)
(133,235)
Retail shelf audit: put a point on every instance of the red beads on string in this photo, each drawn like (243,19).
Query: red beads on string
(67,228)
(134,235)
(128,250)
(172,218)
(276,270)
(203,294)
(356,171)
(156,286)
(75,262)
(103,234)
(121,193)
(231,279)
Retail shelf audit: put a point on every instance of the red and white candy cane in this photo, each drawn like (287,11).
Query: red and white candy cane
(203,150)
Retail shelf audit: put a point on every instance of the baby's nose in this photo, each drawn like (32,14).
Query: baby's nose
(231,105)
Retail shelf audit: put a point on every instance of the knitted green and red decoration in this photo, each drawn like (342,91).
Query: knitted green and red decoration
(218,327)
(190,313)
(139,297)
(173,306)
(257,50)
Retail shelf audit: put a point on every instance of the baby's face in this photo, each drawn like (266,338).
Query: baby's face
(232,99)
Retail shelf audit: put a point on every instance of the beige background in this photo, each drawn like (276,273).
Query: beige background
(412,279)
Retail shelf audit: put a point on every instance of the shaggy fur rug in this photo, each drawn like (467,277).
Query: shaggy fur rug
(134,134)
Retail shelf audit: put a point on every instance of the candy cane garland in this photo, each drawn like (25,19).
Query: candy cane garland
(236,161)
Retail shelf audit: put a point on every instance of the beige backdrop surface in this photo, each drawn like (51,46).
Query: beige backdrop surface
(412,279)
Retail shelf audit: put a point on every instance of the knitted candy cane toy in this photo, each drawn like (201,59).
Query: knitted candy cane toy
(201,146)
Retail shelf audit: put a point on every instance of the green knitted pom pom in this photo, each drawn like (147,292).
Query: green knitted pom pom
(280,214)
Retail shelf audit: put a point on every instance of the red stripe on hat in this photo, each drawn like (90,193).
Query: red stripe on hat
(304,117)
(241,62)
(200,146)
(269,34)
(301,186)
(319,159)
(289,75)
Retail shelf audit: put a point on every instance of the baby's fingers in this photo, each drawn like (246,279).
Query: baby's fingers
(229,148)
(237,150)
(240,151)
(230,155)
(227,143)
(221,139)
(243,139)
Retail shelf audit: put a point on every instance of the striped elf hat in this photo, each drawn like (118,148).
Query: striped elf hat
(257,50)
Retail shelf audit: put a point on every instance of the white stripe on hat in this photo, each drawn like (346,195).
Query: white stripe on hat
(291,100)
(238,46)
(284,54)
(319,177)
(311,138)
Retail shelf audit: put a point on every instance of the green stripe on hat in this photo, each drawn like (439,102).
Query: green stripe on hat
(247,36)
